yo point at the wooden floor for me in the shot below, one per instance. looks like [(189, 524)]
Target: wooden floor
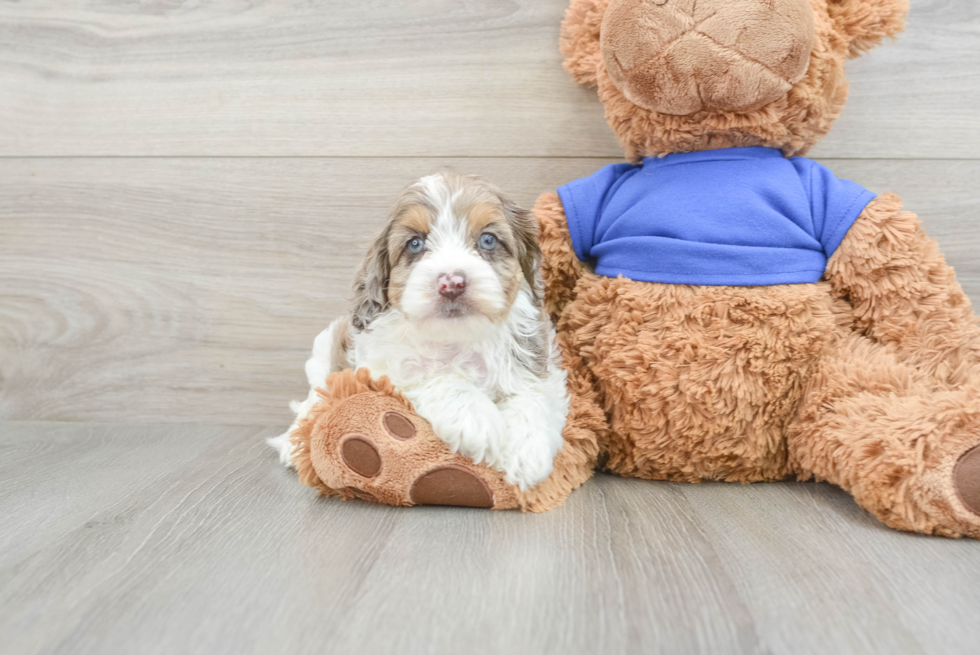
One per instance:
[(185, 190), (165, 538)]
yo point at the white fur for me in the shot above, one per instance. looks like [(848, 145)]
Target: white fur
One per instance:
[(479, 394), (469, 377), (318, 367)]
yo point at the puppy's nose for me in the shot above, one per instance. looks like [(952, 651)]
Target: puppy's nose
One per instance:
[(452, 285)]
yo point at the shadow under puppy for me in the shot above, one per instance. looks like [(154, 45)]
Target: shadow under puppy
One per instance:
[(448, 305)]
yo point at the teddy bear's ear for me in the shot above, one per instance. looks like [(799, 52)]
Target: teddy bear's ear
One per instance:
[(580, 39), (867, 22)]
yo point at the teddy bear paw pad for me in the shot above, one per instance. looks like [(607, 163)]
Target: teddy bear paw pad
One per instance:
[(451, 485), (966, 479), (361, 456), (398, 426), (372, 446)]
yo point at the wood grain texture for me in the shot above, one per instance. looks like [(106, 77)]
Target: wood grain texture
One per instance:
[(880, 594), (185, 189), (191, 289), (405, 78), (191, 539)]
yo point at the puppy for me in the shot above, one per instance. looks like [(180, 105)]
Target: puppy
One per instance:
[(448, 305)]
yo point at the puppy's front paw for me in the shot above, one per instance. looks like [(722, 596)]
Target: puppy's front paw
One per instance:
[(475, 431), (530, 462)]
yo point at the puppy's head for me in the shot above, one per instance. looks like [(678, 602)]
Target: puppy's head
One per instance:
[(452, 259)]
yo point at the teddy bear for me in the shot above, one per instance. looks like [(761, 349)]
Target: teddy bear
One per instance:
[(727, 309)]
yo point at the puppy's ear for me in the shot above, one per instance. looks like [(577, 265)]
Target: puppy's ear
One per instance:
[(371, 283), (867, 22), (580, 39), (525, 229)]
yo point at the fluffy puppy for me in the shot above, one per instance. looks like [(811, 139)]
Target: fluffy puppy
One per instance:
[(448, 305)]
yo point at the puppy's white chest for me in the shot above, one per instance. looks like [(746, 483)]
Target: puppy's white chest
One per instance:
[(414, 363), (451, 359)]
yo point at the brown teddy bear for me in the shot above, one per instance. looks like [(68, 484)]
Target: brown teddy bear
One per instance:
[(727, 309)]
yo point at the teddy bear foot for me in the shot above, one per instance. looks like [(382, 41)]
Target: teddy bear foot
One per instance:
[(449, 484), (966, 479), (374, 449), (364, 440), (944, 499)]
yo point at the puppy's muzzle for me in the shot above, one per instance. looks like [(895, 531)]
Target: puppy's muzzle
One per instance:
[(451, 285)]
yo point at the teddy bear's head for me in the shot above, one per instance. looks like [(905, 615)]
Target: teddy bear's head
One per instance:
[(685, 75)]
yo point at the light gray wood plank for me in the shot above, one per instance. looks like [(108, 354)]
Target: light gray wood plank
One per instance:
[(147, 281), (198, 542), (191, 289), (433, 78), (901, 102), (789, 546), (83, 469)]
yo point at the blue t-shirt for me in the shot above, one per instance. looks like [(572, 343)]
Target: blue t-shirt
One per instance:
[(736, 216)]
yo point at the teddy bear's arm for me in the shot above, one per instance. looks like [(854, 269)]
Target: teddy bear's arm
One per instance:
[(560, 266), (903, 293)]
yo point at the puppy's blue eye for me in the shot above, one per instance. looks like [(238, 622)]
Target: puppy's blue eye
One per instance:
[(488, 242), (416, 245)]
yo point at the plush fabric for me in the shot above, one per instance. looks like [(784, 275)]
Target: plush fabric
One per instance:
[(364, 440), (868, 378), (793, 123), (736, 216), (686, 56)]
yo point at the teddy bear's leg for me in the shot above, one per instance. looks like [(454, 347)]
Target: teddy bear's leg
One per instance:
[(365, 440), (905, 447), (904, 295), (560, 267)]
